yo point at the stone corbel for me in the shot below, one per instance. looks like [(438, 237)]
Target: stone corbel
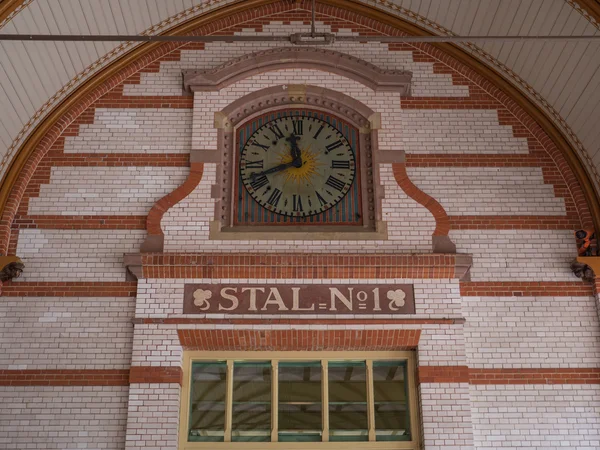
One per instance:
[(133, 263)]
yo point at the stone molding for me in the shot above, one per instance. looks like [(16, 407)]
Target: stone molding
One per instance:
[(370, 75)]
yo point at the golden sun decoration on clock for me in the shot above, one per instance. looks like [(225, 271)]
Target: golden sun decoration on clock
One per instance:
[(300, 167)]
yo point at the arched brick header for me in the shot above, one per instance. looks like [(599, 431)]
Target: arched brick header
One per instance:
[(298, 58), (367, 20)]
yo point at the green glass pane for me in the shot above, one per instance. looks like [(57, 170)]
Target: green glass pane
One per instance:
[(392, 419), (300, 405), (348, 416), (207, 402), (251, 407)]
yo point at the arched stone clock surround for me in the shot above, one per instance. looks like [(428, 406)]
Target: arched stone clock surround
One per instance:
[(275, 98)]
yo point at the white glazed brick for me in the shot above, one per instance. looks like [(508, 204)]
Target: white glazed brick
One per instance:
[(65, 333), (446, 416), (168, 80), (489, 190), (155, 345), (105, 190), (536, 417), (63, 417), (186, 225), (531, 332), (148, 130), (458, 131), (153, 416), (164, 298), (442, 345), (76, 255), (518, 255)]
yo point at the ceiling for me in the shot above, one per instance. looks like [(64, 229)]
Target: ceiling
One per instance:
[(561, 77)]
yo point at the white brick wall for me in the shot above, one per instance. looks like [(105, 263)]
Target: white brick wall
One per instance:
[(489, 190), (410, 225), (105, 190), (446, 415), (518, 255), (168, 80), (148, 130), (531, 332), (65, 333), (442, 345), (76, 255), (61, 418), (536, 417), (156, 345), (458, 131), (153, 416)]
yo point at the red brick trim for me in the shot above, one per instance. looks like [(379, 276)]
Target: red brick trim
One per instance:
[(442, 223), (442, 374), (464, 374), (308, 266), (513, 223), (155, 374), (81, 222), (298, 340), (535, 376), (83, 377), (57, 158), (525, 288), (468, 160), (69, 289), (323, 321), (160, 207)]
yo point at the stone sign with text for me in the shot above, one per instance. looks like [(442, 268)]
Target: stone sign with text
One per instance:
[(298, 299)]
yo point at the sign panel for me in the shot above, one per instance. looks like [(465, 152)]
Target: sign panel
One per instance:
[(298, 299)]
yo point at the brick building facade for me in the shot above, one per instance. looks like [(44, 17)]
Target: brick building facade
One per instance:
[(117, 210)]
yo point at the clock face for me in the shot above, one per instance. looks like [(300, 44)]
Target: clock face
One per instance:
[(297, 166)]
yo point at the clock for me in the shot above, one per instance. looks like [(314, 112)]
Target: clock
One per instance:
[(297, 165)]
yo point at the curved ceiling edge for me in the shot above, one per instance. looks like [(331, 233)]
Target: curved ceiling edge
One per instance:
[(461, 55)]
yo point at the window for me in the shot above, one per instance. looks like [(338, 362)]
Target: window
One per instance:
[(269, 399)]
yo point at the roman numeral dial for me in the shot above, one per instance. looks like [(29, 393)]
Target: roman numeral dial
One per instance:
[(299, 165)]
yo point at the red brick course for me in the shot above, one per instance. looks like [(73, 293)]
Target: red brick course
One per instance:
[(62, 377), (298, 340), (513, 223), (464, 374), (308, 266), (69, 289), (525, 288)]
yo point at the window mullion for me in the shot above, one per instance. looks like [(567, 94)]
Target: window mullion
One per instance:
[(275, 401), (229, 402), (371, 400), (325, 400)]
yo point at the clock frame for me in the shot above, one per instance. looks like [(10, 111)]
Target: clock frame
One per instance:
[(350, 114)]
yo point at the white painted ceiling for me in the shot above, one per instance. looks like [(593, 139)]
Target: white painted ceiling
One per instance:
[(562, 77)]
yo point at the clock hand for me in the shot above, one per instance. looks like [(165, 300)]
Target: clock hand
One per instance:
[(272, 170), (296, 154)]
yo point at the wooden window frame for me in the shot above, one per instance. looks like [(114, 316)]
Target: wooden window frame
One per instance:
[(275, 357)]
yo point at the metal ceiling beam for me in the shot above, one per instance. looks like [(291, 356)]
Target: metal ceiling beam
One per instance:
[(306, 38)]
